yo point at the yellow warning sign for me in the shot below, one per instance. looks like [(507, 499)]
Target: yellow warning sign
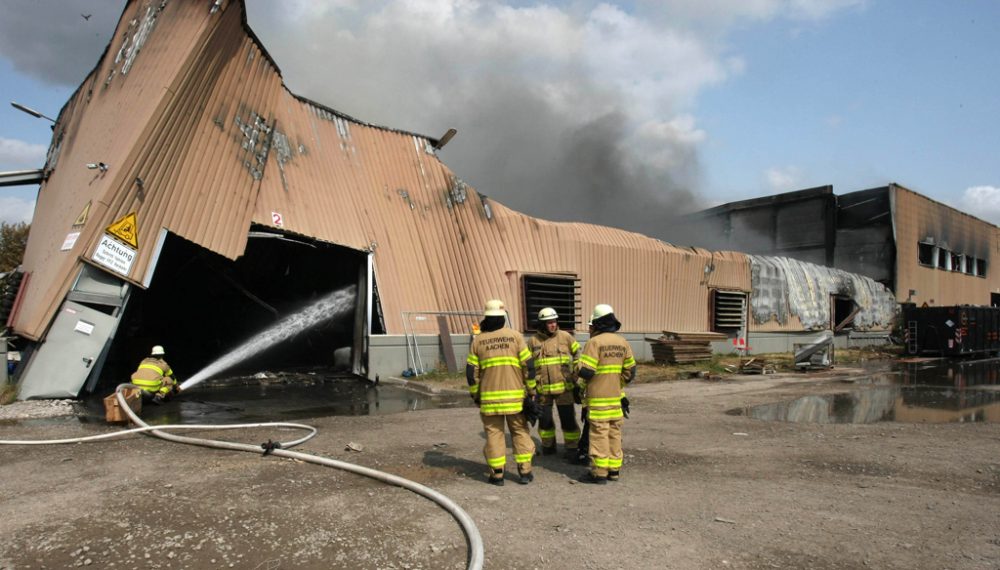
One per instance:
[(82, 218), (126, 229)]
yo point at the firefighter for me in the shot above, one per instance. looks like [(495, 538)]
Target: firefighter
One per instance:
[(606, 365), (555, 351), (155, 377), (501, 375)]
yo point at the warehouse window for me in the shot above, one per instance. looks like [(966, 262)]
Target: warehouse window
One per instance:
[(943, 259), (981, 267), (957, 262), (969, 268), (729, 309), (926, 254), (562, 293)]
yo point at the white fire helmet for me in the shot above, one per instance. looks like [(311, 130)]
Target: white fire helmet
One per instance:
[(601, 311), (158, 351), (548, 314), (494, 308)]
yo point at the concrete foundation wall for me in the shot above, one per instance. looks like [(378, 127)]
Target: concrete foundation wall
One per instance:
[(388, 355)]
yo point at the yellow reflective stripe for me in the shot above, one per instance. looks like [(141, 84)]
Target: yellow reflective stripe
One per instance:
[(502, 395), (547, 433), (145, 383), (152, 367), (550, 361), (525, 354), (552, 388), (605, 414), (499, 361), (574, 347), (588, 360), (614, 463), (496, 462), (523, 458), (531, 383), (473, 360), (616, 401), (609, 369), (601, 461), (510, 407), (629, 362), (571, 436), (474, 389)]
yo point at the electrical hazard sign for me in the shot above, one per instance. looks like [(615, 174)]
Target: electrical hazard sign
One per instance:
[(82, 218), (126, 229)]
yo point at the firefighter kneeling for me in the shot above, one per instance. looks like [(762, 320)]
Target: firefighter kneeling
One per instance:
[(501, 377), (606, 365), (155, 377)]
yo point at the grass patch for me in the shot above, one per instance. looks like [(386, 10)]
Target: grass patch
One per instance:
[(649, 372)]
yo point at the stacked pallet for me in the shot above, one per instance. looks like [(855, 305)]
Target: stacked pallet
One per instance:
[(683, 347)]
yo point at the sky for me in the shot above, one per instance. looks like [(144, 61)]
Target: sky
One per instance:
[(624, 113)]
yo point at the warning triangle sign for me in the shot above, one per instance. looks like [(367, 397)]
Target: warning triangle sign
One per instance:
[(82, 218), (126, 229)]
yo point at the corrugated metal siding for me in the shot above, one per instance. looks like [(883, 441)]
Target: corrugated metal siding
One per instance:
[(917, 217), (193, 95), (105, 121)]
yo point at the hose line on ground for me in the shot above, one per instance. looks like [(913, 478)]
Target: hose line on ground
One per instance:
[(280, 449)]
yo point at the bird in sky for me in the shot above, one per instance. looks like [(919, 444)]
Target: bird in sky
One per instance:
[(86, 16)]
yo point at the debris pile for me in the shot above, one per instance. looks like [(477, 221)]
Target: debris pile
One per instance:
[(683, 347), (752, 366)]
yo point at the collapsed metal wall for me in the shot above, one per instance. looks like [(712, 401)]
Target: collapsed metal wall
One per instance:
[(788, 294)]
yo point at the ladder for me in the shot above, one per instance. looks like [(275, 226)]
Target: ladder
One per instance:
[(911, 337)]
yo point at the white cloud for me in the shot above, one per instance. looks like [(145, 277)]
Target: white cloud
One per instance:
[(14, 210), (982, 202), (784, 179), (17, 154)]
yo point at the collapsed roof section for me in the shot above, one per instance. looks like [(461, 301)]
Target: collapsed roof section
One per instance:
[(189, 128)]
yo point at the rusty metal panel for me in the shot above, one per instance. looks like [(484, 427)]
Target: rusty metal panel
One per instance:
[(118, 107), (918, 218), (213, 142)]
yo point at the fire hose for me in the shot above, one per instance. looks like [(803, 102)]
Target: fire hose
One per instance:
[(281, 449)]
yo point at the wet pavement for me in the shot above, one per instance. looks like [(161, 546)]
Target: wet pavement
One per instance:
[(287, 398), (919, 391)]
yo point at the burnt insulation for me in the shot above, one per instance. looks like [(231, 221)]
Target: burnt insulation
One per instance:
[(783, 287)]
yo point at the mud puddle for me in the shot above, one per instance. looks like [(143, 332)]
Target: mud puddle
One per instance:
[(925, 391)]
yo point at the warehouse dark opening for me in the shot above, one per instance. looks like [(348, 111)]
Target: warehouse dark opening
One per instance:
[(200, 306)]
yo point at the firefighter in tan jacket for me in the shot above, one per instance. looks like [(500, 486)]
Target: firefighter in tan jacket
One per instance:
[(555, 352), (607, 363), (501, 375), (155, 377)]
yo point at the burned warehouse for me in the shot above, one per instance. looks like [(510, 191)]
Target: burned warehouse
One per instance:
[(191, 200)]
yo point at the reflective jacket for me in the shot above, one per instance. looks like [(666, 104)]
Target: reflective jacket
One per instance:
[(553, 361), (154, 375), (500, 360), (609, 355)]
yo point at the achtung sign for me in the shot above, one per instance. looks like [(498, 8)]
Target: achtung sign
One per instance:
[(114, 255), (126, 229), (118, 246)]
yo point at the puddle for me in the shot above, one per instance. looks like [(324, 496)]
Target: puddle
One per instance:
[(932, 391), (294, 397)]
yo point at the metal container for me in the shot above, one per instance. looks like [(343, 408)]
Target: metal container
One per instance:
[(962, 330)]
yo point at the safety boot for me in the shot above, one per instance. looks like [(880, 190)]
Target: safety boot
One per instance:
[(614, 475), (526, 478), (589, 477), (496, 478), (548, 450)]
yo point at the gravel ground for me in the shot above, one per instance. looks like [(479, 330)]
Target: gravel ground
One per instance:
[(701, 489)]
